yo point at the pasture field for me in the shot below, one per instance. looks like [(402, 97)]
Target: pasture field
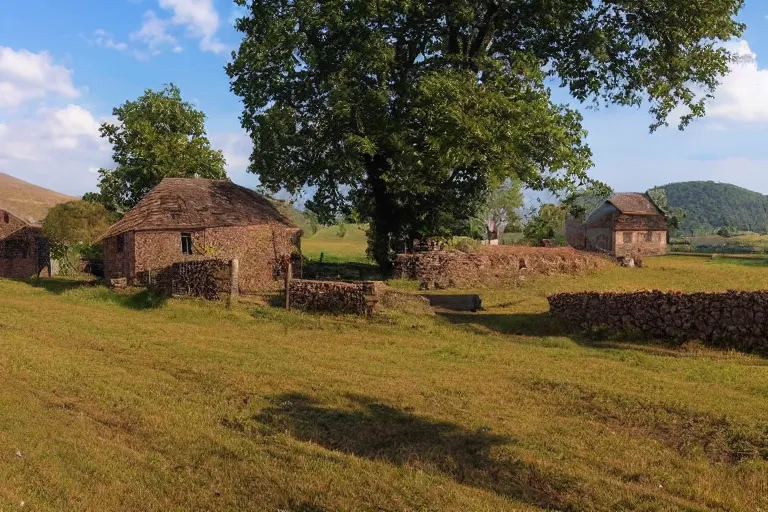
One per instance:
[(335, 249), (123, 402)]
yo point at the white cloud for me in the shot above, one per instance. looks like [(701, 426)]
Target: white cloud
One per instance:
[(25, 76), (237, 147), (743, 94), (57, 148), (106, 40), (200, 19), (154, 33)]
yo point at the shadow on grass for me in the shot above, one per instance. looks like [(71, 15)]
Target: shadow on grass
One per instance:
[(136, 299), (59, 285), (377, 431), (460, 302), (521, 324), (542, 325), (341, 271)]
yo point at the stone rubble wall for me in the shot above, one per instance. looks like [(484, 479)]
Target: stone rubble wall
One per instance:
[(493, 265), (732, 319)]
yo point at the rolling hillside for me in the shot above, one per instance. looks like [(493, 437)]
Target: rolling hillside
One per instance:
[(29, 202), (712, 205)]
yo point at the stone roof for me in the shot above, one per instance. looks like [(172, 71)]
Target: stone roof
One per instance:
[(634, 203), (196, 203)]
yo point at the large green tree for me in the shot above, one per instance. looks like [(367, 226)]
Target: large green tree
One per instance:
[(411, 110), (156, 136)]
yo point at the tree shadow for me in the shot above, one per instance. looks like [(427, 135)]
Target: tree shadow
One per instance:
[(58, 286), (340, 271), (454, 302), (136, 299), (377, 431), (521, 324), (543, 325)]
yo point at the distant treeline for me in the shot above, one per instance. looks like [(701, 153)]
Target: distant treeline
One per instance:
[(711, 206)]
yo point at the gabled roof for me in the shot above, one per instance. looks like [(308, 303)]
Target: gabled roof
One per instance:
[(195, 203), (634, 203)]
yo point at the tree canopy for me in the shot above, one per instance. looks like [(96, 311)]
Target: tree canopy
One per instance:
[(548, 222), (156, 136), (410, 111), (73, 229)]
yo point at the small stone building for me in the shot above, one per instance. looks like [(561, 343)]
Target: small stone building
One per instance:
[(627, 224), (184, 219), (24, 251)]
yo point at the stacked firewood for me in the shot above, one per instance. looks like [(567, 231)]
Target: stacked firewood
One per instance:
[(333, 296), (493, 265), (208, 279), (735, 319)]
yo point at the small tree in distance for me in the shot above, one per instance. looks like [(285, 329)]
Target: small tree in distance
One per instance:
[(157, 136), (73, 229)]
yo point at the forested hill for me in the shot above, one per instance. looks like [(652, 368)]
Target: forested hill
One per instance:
[(712, 205)]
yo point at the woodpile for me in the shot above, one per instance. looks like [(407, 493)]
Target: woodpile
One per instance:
[(333, 296), (732, 319), (209, 279), (493, 265)]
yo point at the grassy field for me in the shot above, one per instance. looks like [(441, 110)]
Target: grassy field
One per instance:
[(350, 247), (121, 402)]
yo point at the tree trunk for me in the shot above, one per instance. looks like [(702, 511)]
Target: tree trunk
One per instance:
[(383, 221)]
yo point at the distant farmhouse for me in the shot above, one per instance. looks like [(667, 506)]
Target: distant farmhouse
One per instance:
[(185, 219), (624, 225), (24, 251)]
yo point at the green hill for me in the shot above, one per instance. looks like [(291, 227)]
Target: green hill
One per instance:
[(712, 205)]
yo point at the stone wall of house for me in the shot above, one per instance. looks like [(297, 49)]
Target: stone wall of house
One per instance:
[(258, 249), (575, 233), (333, 296), (734, 319), (24, 253), (493, 265), (599, 240), (13, 224), (640, 243), (119, 265)]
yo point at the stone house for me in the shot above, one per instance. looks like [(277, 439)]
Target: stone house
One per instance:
[(627, 224), (184, 219), (24, 250)]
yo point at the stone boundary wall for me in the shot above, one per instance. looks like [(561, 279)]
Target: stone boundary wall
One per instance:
[(734, 319), (333, 296), (492, 265)]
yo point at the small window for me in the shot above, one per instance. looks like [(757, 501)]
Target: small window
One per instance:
[(649, 236), (6, 218), (627, 237), (120, 243), (25, 251), (186, 243)]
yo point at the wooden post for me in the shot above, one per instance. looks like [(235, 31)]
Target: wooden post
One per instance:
[(234, 281), (288, 270)]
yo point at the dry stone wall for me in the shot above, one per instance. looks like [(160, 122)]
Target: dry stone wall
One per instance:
[(333, 296), (732, 319), (493, 265)]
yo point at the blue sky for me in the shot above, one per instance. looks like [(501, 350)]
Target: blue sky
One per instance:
[(63, 69)]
